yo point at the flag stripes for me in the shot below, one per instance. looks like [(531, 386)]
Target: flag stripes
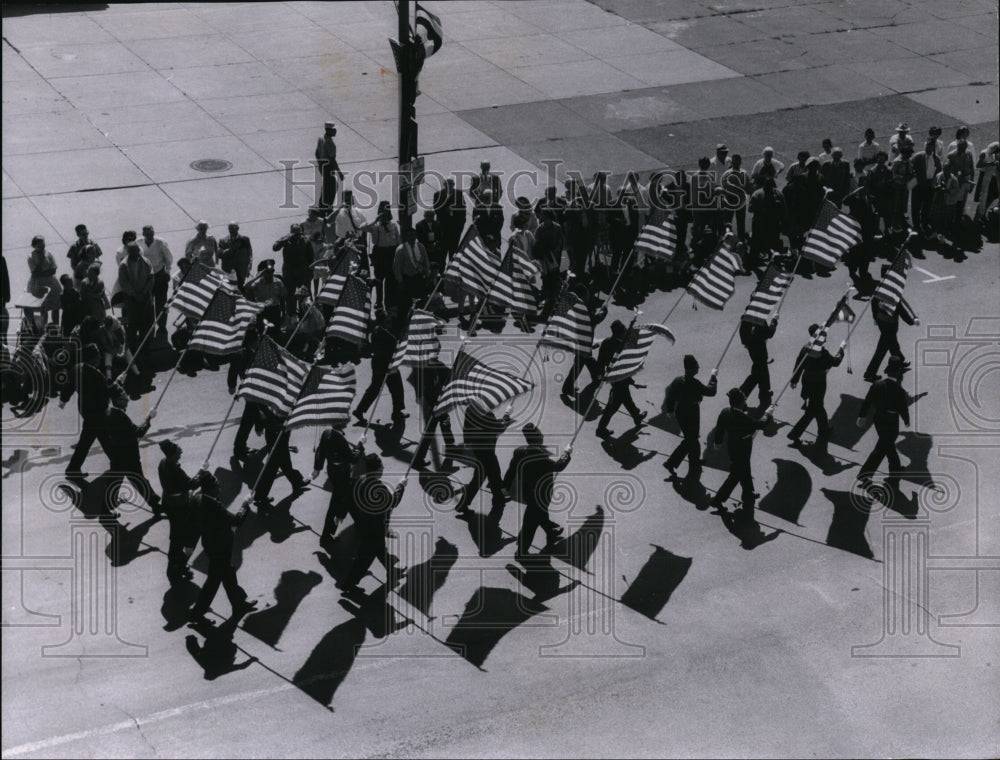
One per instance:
[(349, 321), (633, 354), (570, 326), (273, 378), (221, 328), (833, 235), (325, 398), (767, 295), (474, 267), (420, 344), (329, 295), (658, 239), (195, 293), (515, 285), (715, 283), (472, 381), (890, 290)]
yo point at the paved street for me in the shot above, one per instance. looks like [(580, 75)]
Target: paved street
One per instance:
[(840, 628)]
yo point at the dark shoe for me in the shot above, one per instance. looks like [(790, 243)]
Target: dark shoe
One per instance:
[(420, 464), (603, 432), (671, 470), (400, 414), (244, 607), (197, 616), (360, 416), (638, 418), (870, 378)]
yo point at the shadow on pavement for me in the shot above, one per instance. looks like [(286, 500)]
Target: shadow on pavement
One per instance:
[(790, 492), (424, 580), (659, 577), (489, 615), (850, 519), (216, 653), (269, 623)]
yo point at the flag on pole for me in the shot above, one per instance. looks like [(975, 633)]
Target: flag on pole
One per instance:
[(658, 239), (767, 295), (633, 354), (833, 235), (841, 313), (715, 283), (474, 266), (420, 344), (339, 272), (349, 321), (473, 381), (428, 28), (325, 398), (195, 293), (890, 290), (515, 283), (273, 378), (221, 329), (570, 326)]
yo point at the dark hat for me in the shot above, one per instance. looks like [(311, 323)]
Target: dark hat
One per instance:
[(896, 367), (934, 131), (296, 227), (736, 394), (531, 432), (119, 398), (265, 264), (690, 363), (813, 328), (617, 325), (522, 203), (169, 448), (373, 463)]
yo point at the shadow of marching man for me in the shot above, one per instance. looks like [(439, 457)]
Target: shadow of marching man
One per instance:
[(217, 654)]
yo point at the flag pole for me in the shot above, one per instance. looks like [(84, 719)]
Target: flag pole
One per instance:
[(868, 303), (674, 307), (378, 397), (152, 327), (482, 306), (618, 279), (788, 287), (600, 384)]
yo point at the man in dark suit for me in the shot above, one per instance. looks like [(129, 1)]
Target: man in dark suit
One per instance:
[(481, 431), (449, 210), (684, 396), (926, 167), (374, 503), (339, 456), (533, 469), (93, 397), (887, 320), (329, 169), (135, 276), (812, 366), (620, 393), (890, 403), (755, 338), (217, 526), (738, 427)]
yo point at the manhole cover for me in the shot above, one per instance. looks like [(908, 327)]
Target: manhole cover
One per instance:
[(211, 165)]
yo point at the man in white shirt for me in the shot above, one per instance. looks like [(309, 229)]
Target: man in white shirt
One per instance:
[(157, 253), (767, 159), (868, 149)]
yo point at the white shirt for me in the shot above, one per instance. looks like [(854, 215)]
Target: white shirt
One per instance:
[(158, 253)]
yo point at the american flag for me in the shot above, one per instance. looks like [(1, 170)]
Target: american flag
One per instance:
[(841, 313), (515, 283), (658, 239), (767, 295), (473, 381), (195, 293), (570, 326), (474, 267), (420, 344), (715, 283), (833, 235), (340, 269), (890, 290), (273, 378), (325, 398), (350, 317), (221, 329), (633, 354)]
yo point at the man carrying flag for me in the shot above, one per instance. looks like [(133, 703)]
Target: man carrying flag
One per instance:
[(620, 357), (757, 327), (684, 396), (473, 269), (222, 327), (812, 366), (571, 327), (888, 307), (715, 283)]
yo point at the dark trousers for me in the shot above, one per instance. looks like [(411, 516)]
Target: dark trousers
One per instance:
[(760, 376), (251, 414), (220, 573), (485, 465), (182, 541), (139, 318), (765, 237), (161, 281), (579, 362), (814, 410), (535, 516), (340, 499), (444, 422), (621, 395), (739, 472), (740, 218), (690, 447), (900, 200), (132, 471), (371, 546), (91, 430), (579, 254), (885, 448), (280, 459), (393, 382), (888, 343), (551, 282), (920, 203), (329, 190)]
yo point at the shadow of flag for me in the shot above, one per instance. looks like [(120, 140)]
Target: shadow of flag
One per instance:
[(656, 582)]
